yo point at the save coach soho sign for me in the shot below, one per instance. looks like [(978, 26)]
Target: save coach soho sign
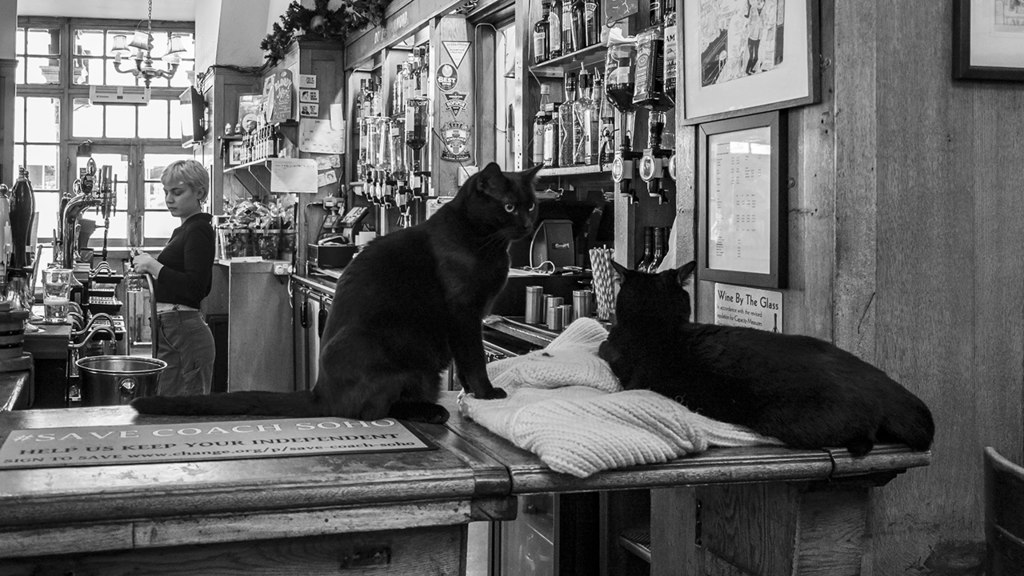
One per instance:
[(232, 440)]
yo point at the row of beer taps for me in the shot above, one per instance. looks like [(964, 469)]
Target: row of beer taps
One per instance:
[(91, 190)]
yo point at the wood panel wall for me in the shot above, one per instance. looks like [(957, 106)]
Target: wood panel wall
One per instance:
[(906, 204)]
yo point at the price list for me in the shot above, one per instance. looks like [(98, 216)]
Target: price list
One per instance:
[(739, 199)]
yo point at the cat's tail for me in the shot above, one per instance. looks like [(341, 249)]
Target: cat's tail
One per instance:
[(911, 425), (299, 404)]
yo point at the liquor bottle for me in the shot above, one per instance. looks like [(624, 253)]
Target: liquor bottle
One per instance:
[(671, 50), (621, 79), (645, 259), (580, 120), (541, 45), (650, 82), (538, 138), (592, 120), (579, 40), (591, 26), (23, 209), (566, 134), (555, 29), (568, 43), (606, 152), (659, 251), (551, 140)]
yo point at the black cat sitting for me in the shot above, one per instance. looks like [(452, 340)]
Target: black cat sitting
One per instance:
[(406, 306), (801, 390)]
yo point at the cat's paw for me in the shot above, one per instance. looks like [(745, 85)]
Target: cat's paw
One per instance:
[(494, 394)]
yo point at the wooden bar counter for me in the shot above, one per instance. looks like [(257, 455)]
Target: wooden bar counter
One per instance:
[(751, 511)]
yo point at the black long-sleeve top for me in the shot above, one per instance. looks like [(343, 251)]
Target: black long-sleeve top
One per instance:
[(188, 263)]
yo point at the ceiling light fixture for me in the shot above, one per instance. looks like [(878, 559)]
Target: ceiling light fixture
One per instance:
[(140, 50)]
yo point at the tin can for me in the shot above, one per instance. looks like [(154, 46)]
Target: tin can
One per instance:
[(553, 318), (534, 305), (582, 303), (565, 315)]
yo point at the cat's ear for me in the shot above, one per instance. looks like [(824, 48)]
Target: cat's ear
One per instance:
[(685, 271), (485, 180), (529, 175), (620, 271)]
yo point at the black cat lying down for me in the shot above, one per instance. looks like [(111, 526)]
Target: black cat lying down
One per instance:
[(406, 306), (801, 390)]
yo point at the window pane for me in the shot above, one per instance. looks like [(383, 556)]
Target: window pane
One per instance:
[(89, 42), (153, 119), (115, 78), (42, 166), (43, 71), (86, 119), (159, 224), (43, 120), (19, 119), (47, 204), (180, 78), (19, 161), (88, 71), (43, 41), (120, 121), (176, 117), (155, 196), (19, 38)]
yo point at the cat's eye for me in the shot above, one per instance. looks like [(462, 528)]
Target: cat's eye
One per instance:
[(510, 208), (533, 206)]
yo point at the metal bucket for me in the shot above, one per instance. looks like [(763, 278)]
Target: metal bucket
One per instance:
[(113, 380)]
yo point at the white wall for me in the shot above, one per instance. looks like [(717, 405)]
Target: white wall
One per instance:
[(177, 10), (8, 26)]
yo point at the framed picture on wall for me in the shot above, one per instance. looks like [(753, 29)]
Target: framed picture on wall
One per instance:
[(748, 56), (988, 40), (741, 200)]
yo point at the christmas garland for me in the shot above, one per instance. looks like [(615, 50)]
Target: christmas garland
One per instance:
[(328, 20)]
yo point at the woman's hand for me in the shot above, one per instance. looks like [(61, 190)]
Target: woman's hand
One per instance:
[(145, 263)]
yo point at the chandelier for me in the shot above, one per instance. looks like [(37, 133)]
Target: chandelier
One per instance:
[(140, 51)]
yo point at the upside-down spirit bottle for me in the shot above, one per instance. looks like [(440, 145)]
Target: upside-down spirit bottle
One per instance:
[(671, 50)]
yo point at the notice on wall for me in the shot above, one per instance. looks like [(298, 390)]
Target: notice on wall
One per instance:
[(749, 307), (293, 175), (231, 440), (321, 137)]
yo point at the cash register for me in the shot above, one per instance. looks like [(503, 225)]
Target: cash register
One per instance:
[(335, 245)]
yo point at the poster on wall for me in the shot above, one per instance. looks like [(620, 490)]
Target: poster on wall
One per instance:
[(277, 93)]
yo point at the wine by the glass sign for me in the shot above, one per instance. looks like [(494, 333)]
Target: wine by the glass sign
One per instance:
[(750, 307)]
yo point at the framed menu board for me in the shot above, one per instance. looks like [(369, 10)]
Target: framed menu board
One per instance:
[(742, 201)]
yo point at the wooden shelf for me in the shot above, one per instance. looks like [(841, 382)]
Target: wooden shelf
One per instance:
[(556, 67)]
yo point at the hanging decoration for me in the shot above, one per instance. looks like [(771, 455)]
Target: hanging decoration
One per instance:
[(327, 20)]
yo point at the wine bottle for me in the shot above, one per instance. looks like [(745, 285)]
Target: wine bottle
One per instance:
[(645, 260)]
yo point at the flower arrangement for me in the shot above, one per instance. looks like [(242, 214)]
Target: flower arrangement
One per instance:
[(253, 228), (328, 19)]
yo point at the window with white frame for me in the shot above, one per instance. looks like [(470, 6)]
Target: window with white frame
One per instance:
[(59, 59)]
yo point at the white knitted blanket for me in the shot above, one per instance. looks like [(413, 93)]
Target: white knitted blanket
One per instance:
[(565, 405)]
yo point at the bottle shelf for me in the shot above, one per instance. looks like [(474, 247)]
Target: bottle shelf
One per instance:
[(556, 67), (575, 170)]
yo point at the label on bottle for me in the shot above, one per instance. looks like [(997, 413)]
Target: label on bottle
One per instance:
[(538, 142), (671, 54), (539, 42), (550, 144), (591, 136)]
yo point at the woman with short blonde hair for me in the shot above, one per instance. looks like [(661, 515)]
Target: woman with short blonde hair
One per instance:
[(182, 273)]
